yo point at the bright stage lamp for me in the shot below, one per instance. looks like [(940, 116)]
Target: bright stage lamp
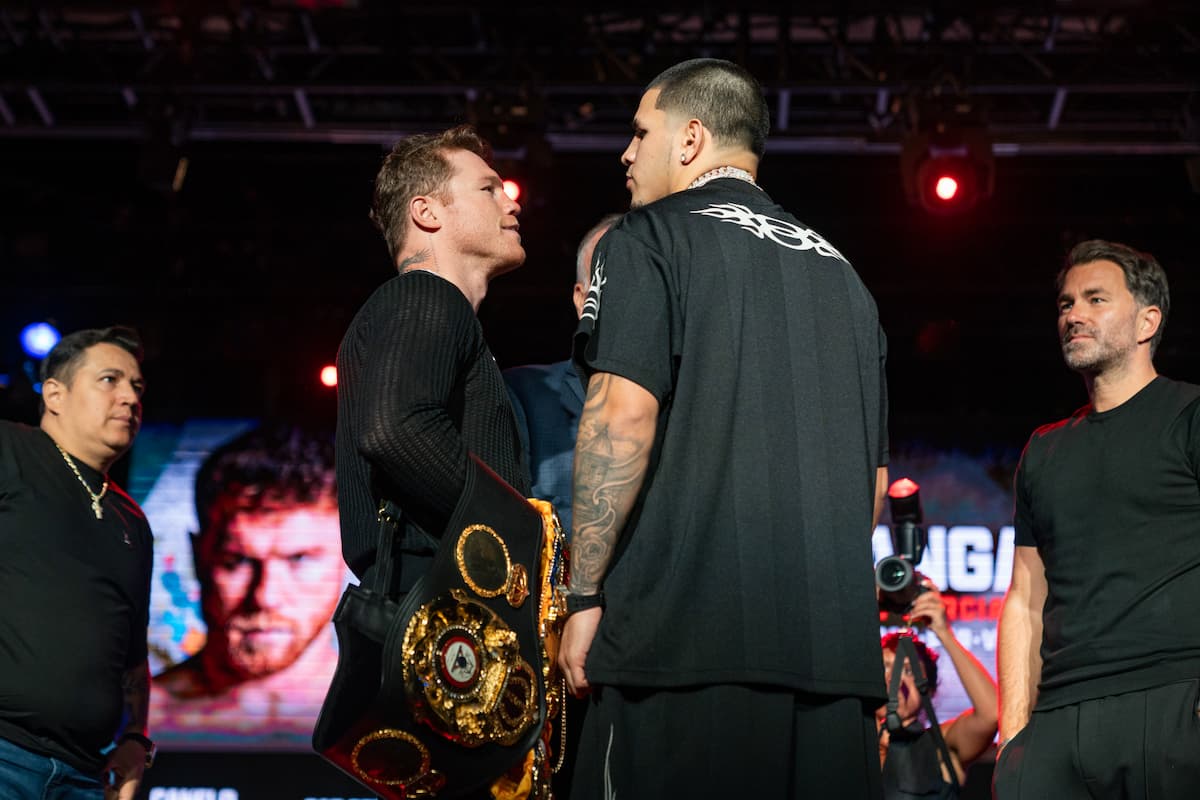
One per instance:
[(946, 187), (948, 170), (39, 338)]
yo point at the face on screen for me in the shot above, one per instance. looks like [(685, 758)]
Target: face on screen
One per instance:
[(273, 582)]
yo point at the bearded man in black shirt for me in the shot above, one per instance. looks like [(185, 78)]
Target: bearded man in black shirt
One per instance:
[(730, 457), (1099, 650), (74, 582), (419, 392), (417, 386)]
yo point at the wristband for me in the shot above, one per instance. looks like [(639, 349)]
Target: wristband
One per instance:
[(582, 602), (144, 741)]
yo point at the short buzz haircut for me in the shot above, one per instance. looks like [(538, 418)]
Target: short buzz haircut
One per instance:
[(583, 270), (928, 657), (277, 464), (722, 95), (417, 165), (1144, 277), (64, 360)]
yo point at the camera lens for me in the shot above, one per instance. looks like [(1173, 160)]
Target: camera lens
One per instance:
[(893, 574)]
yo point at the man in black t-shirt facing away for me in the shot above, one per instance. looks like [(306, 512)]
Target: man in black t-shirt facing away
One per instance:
[(1099, 650), (74, 582), (730, 456), (417, 386)]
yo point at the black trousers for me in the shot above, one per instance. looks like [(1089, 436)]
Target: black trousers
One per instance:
[(1135, 746), (726, 741)]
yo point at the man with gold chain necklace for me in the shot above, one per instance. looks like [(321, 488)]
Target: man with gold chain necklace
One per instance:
[(74, 582), (730, 456)]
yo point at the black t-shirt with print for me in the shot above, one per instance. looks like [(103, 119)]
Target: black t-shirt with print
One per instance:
[(74, 601), (747, 557)]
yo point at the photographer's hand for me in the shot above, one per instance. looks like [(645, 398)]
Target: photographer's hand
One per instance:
[(929, 611)]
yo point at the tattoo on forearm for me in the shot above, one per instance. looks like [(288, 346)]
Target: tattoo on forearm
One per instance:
[(610, 467), (418, 257), (135, 685)]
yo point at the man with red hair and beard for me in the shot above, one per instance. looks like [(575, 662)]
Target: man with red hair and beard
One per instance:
[(268, 559)]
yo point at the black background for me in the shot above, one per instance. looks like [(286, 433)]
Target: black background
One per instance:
[(243, 283)]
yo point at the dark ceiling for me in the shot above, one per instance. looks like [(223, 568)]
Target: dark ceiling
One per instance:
[(841, 77), (243, 280)]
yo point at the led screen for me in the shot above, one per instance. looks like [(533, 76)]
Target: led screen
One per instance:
[(241, 648)]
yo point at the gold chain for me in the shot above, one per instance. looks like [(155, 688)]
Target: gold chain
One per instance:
[(96, 498), (562, 726)]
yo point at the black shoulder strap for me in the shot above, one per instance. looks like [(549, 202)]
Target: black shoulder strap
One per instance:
[(390, 519), (905, 651)]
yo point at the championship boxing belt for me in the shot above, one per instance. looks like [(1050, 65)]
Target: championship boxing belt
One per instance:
[(452, 690)]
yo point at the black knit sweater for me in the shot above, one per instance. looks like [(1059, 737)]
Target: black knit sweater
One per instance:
[(417, 389)]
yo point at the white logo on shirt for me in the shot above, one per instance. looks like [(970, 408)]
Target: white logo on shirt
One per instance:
[(778, 231), (591, 306)]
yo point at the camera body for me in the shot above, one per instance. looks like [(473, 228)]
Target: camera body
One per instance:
[(896, 576), (899, 584)]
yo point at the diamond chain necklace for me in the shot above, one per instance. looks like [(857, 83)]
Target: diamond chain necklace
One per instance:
[(724, 172), (96, 498)]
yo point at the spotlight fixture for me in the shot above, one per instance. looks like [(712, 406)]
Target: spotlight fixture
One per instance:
[(38, 339), (948, 166)]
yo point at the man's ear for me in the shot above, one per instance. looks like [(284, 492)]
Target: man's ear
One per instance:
[(1149, 320), (54, 394), (424, 212), (579, 296), (691, 140)]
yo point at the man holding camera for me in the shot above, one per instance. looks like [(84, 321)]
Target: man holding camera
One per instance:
[(1099, 654)]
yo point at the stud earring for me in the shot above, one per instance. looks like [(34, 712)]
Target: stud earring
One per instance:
[(682, 158)]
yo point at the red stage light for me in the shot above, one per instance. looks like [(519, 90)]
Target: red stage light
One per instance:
[(329, 376), (512, 189), (946, 188), (904, 487), (948, 168)]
